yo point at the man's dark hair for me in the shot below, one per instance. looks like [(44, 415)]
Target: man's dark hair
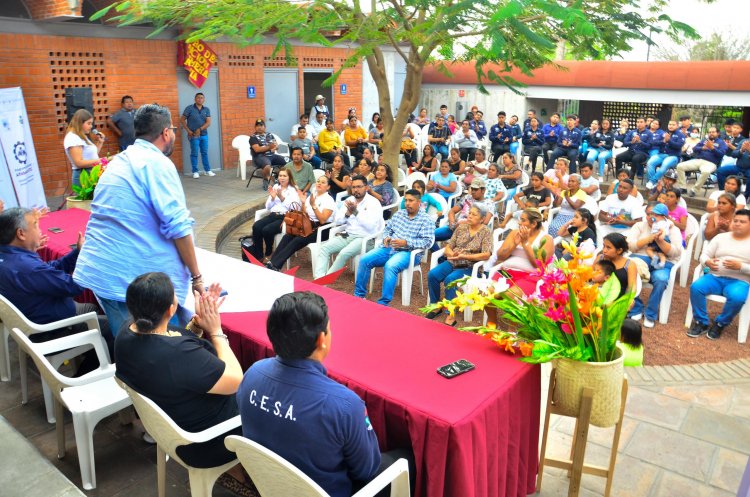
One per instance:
[(413, 192), (329, 121), (684, 117), (443, 106), (148, 297), (743, 212), (199, 93), (586, 164), (150, 120), (291, 150), (628, 181), (295, 322), (556, 114), (11, 220), (320, 113), (531, 110), (501, 113), (359, 177), (305, 116), (738, 123), (572, 116), (729, 122), (122, 100)]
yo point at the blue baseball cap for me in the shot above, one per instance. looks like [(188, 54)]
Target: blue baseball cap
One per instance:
[(660, 210)]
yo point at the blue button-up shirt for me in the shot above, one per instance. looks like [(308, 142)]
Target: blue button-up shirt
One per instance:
[(498, 135), (657, 139), (137, 212), (674, 145), (42, 291), (533, 137), (196, 117), (291, 407), (479, 128), (418, 231), (701, 151), (743, 158), (547, 128)]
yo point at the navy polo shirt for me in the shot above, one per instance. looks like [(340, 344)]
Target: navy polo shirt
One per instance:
[(42, 291), (196, 117), (574, 135), (291, 407)]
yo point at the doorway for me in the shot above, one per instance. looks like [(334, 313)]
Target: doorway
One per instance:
[(186, 94), (313, 86), (281, 99)]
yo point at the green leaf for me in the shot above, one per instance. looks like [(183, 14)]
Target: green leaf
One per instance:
[(609, 290), (101, 13)]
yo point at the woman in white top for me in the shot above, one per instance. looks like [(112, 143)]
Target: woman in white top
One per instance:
[(81, 146), (281, 196), (320, 106), (319, 205), (733, 185)]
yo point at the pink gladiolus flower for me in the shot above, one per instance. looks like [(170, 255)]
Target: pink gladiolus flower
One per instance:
[(566, 328)]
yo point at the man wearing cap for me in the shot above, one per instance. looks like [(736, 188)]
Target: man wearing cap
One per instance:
[(320, 106), (459, 213), (196, 119), (263, 147), (666, 183)]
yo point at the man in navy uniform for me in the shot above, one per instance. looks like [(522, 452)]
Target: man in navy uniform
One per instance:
[(638, 141), (568, 141)]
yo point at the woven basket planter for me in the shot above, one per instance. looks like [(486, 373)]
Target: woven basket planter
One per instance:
[(604, 378), (78, 204)]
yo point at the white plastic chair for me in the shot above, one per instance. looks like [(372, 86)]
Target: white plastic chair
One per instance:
[(693, 231), (407, 275), (431, 211), (89, 398), (260, 214), (242, 144), (13, 318), (744, 316), (476, 271), (347, 149), (282, 148), (341, 196), (318, 173), (402, 184), (274, 476), (412, 177), (169, 436), (701, 236)]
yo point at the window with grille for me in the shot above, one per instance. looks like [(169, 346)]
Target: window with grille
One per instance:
[(241, 60), (317, 62), (617, 111), (279, 62), (79, 70)]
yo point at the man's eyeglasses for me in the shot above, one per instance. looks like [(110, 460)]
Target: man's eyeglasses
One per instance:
[(173, 128)]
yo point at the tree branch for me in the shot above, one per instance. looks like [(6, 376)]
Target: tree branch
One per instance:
[(400, 10), (398, 49)]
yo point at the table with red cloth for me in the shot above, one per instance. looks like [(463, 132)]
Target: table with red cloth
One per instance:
[(474, 435), (71, 222)]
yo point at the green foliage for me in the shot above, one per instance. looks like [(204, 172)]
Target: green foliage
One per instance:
[(89, 181)]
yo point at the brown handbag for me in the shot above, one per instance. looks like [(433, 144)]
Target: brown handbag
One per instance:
[(297, 221)]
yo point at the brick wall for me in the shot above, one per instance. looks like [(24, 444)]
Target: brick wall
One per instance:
[(44, 9), (43, 66)]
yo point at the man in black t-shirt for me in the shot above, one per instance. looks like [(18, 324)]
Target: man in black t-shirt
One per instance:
[(263, 147)]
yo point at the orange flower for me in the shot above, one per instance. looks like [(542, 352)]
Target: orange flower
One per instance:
[(526, 348)]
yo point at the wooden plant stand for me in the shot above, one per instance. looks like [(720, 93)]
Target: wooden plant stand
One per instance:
[(574, 465)]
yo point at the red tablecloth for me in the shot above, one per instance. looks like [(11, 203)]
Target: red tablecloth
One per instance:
[(474, 435), (71, 221)]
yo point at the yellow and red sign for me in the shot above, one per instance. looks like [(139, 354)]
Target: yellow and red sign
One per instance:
[(197, 58)]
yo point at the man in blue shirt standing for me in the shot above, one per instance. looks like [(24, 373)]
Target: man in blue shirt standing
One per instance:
[(289, 405), (407, 230), (139, 222), (196, 119), (568, 141)]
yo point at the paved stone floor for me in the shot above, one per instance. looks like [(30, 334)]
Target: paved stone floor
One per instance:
[(686, 431)]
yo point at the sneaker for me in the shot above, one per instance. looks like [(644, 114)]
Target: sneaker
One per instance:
[(636, 317), (210, 173), (433, 314), (647, 323), (691, 193), (714, 332), (655, 261), (660, 264), (148, 438), (196, 175), (265, 184), (697, 329), (650, 185)]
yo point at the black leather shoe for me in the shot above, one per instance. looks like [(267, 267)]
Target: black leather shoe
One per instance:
[(433, 314)]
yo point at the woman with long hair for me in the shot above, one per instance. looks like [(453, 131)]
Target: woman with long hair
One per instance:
[(720, 220), (615, 249), (82, 143), (584, 224), (281, 196)]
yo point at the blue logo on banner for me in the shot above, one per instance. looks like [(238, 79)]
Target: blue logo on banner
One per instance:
[(343, 88), (250, 92)]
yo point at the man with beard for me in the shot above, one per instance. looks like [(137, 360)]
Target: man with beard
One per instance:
[(140, 222)]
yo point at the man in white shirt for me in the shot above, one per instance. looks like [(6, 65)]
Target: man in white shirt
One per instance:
[(362, 216), (318, 124), (304, 122), (620, 210), (727, 258), (466, 141)]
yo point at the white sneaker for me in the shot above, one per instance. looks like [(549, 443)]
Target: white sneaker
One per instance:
[(637, 317), (148, 438), (210, 173), (647, 323), (196, 175), (650, 185)]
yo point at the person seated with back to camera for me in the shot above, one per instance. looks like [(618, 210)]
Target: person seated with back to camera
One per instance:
[(407, 230), (289, 405), (192, 374)]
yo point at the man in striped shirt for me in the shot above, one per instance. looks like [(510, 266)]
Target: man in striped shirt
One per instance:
[(407, 230)]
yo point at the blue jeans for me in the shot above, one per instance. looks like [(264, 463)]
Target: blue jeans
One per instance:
[(734, 290), (514, 147), (444, 273), (658, 165), (602, 155), (442, 234), (77, 177), (659, 280), (196, 144), (725, 171), (392, 262), (442, 150), (118, 315)]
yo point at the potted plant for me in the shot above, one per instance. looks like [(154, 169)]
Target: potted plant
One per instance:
[(89, 179), (567, 319)]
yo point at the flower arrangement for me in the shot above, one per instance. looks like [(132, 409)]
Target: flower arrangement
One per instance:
[(567, 316), (89, 179)]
